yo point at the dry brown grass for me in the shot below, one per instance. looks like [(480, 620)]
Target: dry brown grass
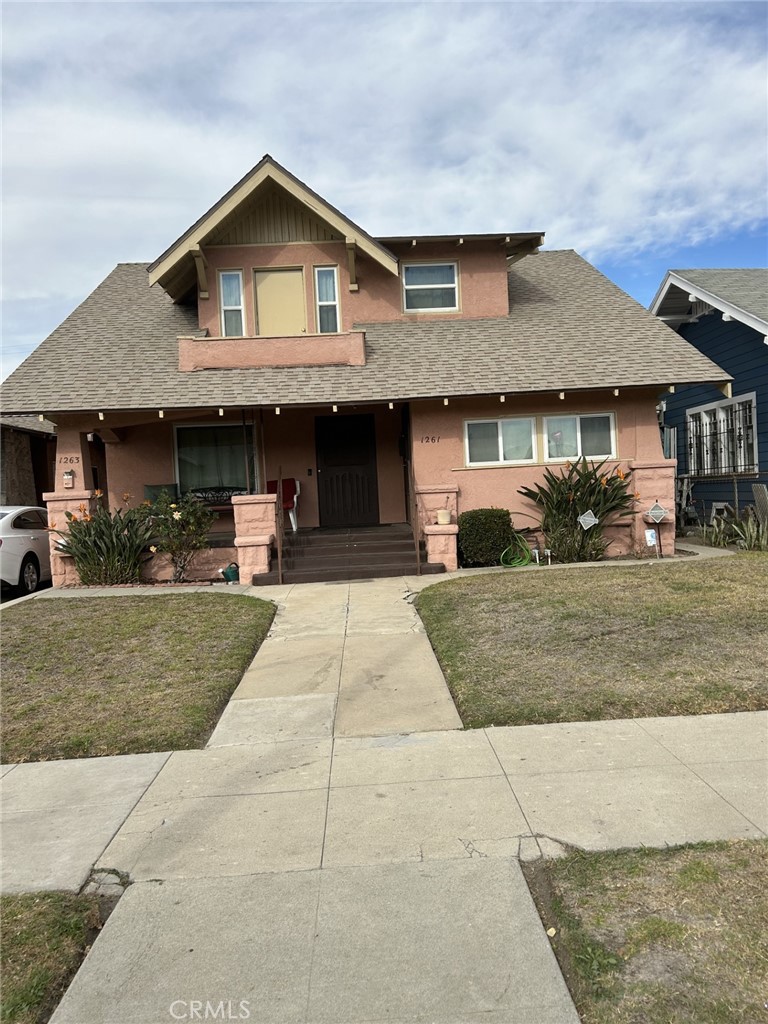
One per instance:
[(87, 677), (678, 936), (563, 645)]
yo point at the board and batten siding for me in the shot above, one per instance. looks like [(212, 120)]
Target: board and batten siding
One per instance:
[(741, 352), (271, 218)]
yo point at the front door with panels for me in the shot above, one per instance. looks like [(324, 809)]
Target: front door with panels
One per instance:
[(281, 308), (347, 480)]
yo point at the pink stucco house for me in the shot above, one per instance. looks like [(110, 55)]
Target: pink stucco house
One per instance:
[(390, 377)]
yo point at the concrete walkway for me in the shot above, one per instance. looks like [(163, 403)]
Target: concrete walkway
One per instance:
[(342, 851)]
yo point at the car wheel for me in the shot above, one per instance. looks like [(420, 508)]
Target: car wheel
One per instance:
[(29, 577)]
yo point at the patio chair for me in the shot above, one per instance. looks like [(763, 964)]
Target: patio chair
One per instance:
[(291, 492)]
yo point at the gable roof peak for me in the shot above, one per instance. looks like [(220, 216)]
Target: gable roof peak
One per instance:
[(174, 269)]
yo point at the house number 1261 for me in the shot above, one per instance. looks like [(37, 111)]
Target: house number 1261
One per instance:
[(430, 439)]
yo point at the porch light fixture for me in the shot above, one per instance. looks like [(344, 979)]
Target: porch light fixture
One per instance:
[(101, 415)]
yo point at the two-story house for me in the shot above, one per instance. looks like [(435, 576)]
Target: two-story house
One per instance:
[(390, 377), (720, 441)]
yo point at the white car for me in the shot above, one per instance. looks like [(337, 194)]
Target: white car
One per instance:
[(24, 547)]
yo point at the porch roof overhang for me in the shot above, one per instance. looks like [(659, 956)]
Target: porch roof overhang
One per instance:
[(179, 267), (515, 244)]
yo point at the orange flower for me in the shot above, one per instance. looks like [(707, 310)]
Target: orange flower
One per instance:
[(87, 518), (98, 493), (82, 508), (146, 504), (620, 475), (637, 495), (126, 497), (51, 525), (73, 518), (604, 481)]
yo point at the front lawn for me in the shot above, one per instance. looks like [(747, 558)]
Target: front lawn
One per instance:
[(568, 645), (677, 935), (91, 676), (45, 937)]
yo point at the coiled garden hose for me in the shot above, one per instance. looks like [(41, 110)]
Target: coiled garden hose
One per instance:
[(517, 554)]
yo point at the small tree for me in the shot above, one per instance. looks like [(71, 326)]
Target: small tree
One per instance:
[(179, 529), (579, 488)]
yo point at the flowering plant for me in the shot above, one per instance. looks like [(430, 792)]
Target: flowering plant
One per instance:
[(177, 528), (579, 488), (107, 548)]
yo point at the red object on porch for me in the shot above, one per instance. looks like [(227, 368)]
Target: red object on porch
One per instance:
[(291, 492)]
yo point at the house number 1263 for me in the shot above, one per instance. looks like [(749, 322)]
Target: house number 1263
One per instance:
[(69, 460), (430, 439)]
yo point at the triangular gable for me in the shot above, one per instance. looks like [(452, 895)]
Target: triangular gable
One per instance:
[(680, 298), (267, 182)]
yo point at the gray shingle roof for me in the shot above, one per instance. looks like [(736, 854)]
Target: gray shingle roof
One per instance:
[(29, 424), (745, 288), (569, 328)]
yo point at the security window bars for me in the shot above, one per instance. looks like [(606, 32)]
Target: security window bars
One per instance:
[(589, 436), (722, 438), (430, 287), (231, 300), (326, 291), (499, 442)]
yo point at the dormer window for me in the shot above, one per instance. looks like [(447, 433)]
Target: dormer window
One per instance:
[(327, 293), (430, 287), (231, 301)]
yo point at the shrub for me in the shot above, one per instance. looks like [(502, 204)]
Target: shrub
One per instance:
[(107, 548), (579, 488), (483, 534), (178, 528)]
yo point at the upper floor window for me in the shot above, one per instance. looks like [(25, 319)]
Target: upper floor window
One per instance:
[(231, 300), (327, 293), (430, 287), (722, 437), (587, 436), (500, 441)]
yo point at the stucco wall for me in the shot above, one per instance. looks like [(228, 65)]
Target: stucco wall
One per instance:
[(439, 458), (482, 280)]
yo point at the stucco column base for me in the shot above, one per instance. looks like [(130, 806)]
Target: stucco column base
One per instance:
[(58, 503), (255, 530), (654, 482), (253, 555), (441, 545)]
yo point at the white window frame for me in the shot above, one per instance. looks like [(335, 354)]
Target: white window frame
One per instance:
[(716, 413), (422, 287), (228, 309), (336, 304), (500, 461), (579, 416)]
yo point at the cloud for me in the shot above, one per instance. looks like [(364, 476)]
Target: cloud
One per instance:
[(616, 128)]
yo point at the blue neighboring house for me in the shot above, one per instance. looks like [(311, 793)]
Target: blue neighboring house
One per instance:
[(720, 441)]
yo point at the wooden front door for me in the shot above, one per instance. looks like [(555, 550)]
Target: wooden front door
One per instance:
[(347, 482), (280, 306)]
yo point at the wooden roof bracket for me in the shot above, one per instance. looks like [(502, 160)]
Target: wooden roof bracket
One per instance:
[(202, 277), (353, 285), (726, 388)]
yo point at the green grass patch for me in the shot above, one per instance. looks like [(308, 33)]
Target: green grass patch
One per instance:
[(45, 937), (92, 676), (635, 948), (568, 645)]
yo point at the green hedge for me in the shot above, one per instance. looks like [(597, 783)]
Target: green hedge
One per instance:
[(483, 534)]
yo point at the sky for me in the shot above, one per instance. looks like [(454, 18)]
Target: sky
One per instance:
[(635, 133)]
